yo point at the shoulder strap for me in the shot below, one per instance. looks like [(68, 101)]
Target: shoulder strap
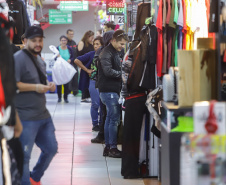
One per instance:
[(42, 77)]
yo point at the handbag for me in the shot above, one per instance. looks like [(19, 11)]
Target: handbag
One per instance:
[(62, 71), (170, 85)]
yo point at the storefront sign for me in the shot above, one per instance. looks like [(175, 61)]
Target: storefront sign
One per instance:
[(60, 17), (115, 7), (74, 6)]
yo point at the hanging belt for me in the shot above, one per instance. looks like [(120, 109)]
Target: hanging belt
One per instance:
[(135, 96)]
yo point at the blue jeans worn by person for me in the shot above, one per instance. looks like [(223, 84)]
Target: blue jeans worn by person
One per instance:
[(110, 99), (95, 102), (42, 133)]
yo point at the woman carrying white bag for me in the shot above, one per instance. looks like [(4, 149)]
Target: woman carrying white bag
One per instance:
[(63, 71)]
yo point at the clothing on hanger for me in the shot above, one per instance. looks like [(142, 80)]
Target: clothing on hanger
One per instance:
[(19, 14)]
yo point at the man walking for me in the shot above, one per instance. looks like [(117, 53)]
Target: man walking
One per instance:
[(30, 102), (109, 84), (73, 84)]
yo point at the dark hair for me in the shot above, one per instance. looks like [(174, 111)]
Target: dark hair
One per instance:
[(86, 37), (100, 39), (100, 30), (119, 35), (22, 37), (110, 24), (63, 36), (69, 30)]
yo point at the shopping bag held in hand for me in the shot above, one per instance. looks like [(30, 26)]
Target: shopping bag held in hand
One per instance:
[(62, 71)]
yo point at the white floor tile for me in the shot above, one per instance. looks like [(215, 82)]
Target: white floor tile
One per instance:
[(78, 161)]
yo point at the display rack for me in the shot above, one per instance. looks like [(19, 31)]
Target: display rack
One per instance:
[(170, 142)]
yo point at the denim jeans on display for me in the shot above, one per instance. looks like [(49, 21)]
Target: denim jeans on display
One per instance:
[(42, 133), (110, 99), (95, 102)]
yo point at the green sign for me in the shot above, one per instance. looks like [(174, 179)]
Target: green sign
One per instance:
[(74, 5), (60, 17)]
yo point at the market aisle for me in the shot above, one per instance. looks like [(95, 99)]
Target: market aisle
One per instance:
[(78, 162)]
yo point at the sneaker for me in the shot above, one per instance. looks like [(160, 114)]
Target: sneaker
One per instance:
[(97, 140), (66, 101), (59, 100), (86, 100), (34, 182), (96, 128), (106, 151), (115, 153)]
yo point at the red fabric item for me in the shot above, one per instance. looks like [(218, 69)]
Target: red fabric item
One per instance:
[(135, 96), (224, 58), (159, 57), (2, 95), (184, 30)]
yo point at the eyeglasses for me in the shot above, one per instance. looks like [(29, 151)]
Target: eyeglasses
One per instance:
[(63, 40)]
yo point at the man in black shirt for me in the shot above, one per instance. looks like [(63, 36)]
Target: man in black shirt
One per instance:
[(73, 84)]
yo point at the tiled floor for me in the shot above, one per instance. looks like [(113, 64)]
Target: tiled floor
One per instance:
[(79, 162)]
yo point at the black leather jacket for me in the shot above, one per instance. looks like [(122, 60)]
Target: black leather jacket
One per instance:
[(109, 70)]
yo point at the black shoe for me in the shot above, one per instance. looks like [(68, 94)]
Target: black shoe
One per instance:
[(59, 100), (132, 177), (66, 101), (106, 151), (97, 140), (96, 128), (115, 153)]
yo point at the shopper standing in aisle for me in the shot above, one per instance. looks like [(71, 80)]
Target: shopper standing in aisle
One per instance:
[(67, 54), (109, 84), (87, 63), (85, 46), (30, 102), (109, 25), (73, 84), (100, 136)]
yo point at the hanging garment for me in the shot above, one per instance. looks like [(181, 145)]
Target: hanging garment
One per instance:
[(159, 60), (164, 37), (7, 68), (18, 12), (143, 12), (213, 19), (201, 23), (184, 30), (134, 111), (168, 12), (148, 78), (175, 47), (172, 15), (180, 21)]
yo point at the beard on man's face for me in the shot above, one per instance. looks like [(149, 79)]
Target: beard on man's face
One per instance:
[(34, 51)]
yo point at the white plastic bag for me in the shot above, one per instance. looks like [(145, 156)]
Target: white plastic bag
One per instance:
[(62, 71)]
